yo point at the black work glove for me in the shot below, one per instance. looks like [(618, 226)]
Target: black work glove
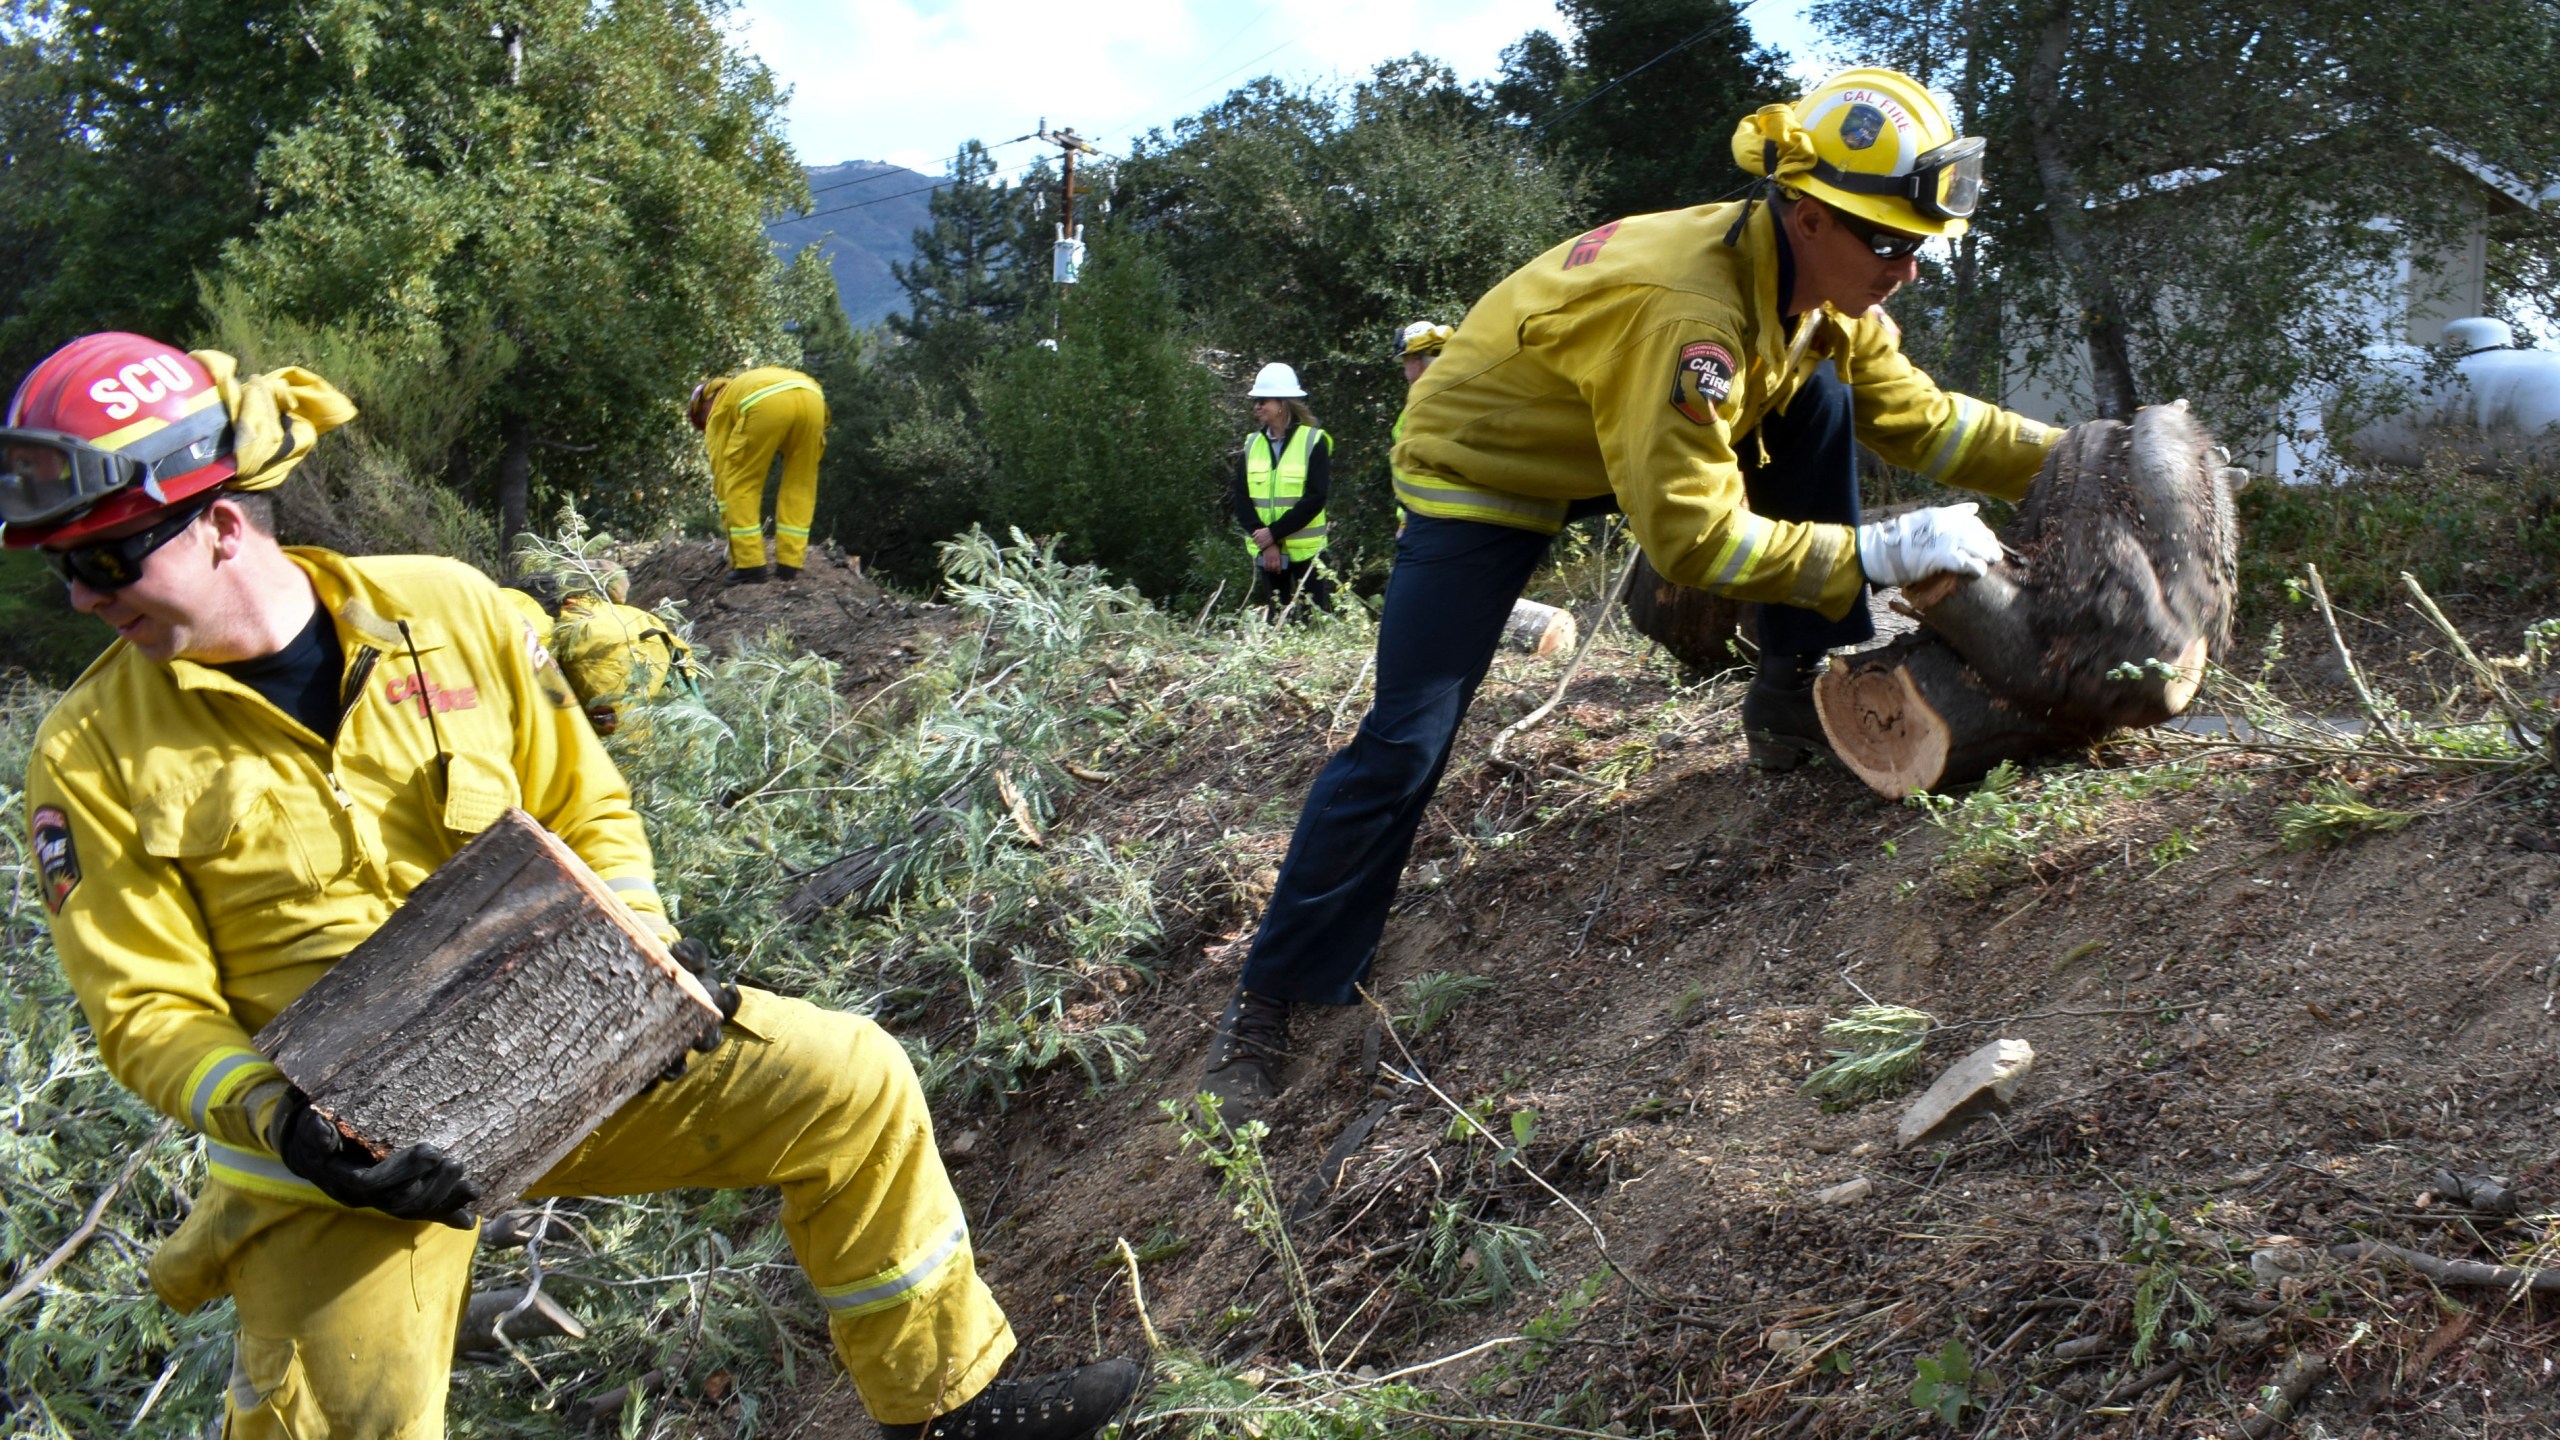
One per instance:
[(416, 1182), (696, 957)]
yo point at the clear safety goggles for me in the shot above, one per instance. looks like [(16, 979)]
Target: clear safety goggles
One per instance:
[(1944, 184), (48, 476)]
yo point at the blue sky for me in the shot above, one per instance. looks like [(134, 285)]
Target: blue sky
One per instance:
[(908, 80)]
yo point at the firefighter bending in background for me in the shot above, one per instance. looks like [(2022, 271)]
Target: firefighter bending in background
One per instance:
[(1711, 372), (746, 419), (277, 748)]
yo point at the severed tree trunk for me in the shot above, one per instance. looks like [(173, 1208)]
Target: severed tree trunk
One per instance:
[(502, 1013), (2121, 581), (1698, 627)]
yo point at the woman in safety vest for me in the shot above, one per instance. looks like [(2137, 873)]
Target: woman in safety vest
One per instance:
[(1283, 475)]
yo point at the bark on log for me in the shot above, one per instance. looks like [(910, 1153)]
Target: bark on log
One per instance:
[(1538, 629), (502, 1013), (2125, 553)]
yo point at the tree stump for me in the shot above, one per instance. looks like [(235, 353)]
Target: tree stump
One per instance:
[(503, 1012), (2123, 570), (1698, 627)]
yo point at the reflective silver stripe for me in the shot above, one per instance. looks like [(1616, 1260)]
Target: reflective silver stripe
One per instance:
[(200, 1104), (1956, 437), (1312, 532), (894, 1287), (739, 531), (1741, 550), (772, 390), (797, 531), (255, 1170), (1466, 502), (628, 883)]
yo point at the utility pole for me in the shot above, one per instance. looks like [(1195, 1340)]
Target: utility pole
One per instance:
[(1066, 255)]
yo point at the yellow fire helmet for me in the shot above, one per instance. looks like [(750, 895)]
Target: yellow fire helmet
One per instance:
[(1873, 142), (1422, 338)]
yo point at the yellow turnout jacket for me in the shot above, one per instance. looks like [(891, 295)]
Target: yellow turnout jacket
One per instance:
[(1636, 360), (206, 857)]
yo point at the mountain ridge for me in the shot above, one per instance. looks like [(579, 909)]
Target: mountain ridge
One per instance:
[(864, 220)]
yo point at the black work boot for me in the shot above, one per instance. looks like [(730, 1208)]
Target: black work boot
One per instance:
[(1245, 1058), (1779, 726), (747, 576), (786, 573), (1068, 1405)]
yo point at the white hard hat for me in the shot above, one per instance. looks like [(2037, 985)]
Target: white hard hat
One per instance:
[(1276, 382)]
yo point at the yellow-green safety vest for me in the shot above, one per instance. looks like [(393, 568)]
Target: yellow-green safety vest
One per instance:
[(1272, 488)]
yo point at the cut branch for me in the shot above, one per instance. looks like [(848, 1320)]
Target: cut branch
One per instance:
[(88, 1226)]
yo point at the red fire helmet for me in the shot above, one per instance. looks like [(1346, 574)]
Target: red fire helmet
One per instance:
[(106, 429)]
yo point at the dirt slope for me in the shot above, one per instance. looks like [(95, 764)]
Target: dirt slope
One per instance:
[(2238, 1048)]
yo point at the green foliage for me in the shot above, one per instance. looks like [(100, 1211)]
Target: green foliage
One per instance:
[(1467, 1261), (2152, 1242), (2010, 819), (1946, 1384), (1875, 1052), (2459, 531), (1645, 94), (542, 219), (1306, 225), (2334, 815), (1113, 440), (1244, 1177), (368, 488), (1425, 1000), (2310, 123), (1310, 1405)]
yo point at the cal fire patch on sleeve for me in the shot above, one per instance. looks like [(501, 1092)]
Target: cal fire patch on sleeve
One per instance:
[(1703, 380), (55, 857)]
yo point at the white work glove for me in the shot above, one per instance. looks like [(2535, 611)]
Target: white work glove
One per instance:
[(1935, 541)]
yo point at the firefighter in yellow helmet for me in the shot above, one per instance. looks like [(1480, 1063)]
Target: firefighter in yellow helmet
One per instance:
[(746, 420), (1708, 371), (278, 747), (1416, 346), (615, 654)]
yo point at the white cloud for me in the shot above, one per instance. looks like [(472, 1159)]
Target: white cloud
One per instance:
[(908, 80)]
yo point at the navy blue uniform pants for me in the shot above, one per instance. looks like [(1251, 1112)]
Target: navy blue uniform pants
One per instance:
[(1447, 598)]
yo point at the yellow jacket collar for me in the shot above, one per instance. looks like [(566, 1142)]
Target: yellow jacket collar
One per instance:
[(362, 613)]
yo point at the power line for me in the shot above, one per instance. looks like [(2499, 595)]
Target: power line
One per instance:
[(901, 170), (1577, 105), (1211, 84), (1017, 173)]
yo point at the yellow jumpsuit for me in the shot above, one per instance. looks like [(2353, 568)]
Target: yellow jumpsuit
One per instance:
[(759, 413), (206, 857)]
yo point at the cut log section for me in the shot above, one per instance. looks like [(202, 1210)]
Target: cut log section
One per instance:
[(502, 1013), (1538, 629), (2120, 586), (1698, 627)]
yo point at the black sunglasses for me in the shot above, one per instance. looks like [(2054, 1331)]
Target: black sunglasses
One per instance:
[(113, 564), (1882, 243)]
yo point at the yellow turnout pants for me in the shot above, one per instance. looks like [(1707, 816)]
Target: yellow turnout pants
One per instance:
[(347, 1317), (793, 423)]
